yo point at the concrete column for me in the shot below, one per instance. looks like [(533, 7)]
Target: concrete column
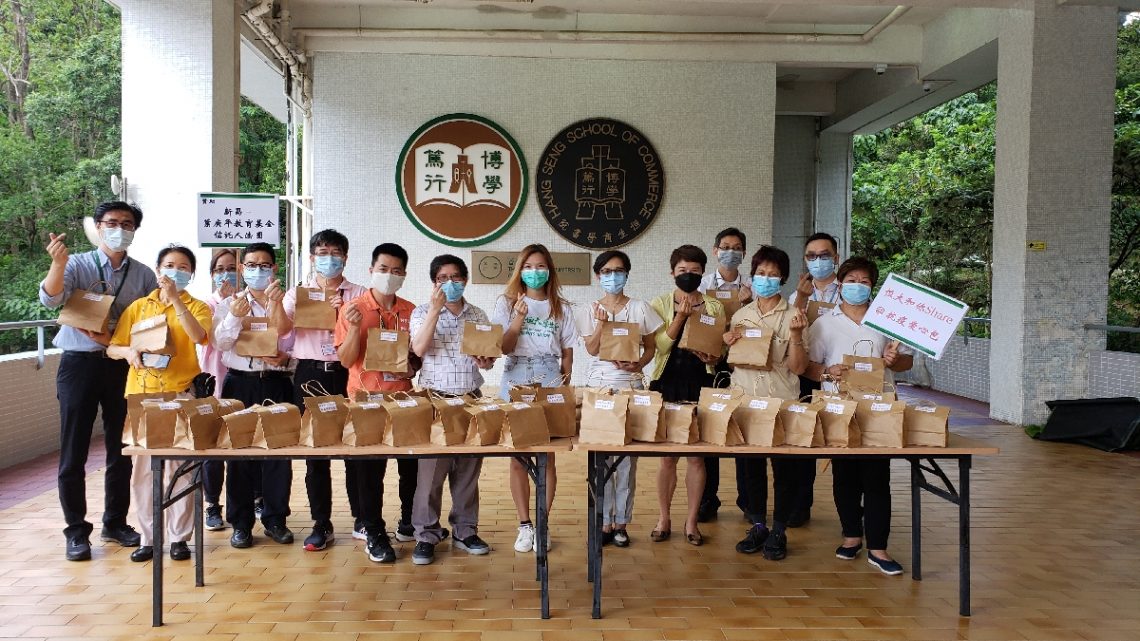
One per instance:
[(1056, 73), (833, 188), (793, 185), (180, 116)]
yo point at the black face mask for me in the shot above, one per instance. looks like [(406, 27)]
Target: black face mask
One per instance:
[(688, 282)]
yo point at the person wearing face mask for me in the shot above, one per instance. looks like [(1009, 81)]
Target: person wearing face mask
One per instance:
[(87, 381), (255, 380), (538, 342), (679, 375), (861, 487), (437, 332), (787, 326), (612, 271), (318, 364), (188, 323), (378, 307), (732, 288), (223, 274)]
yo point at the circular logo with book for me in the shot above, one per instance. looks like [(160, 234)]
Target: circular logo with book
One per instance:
[(599, 183), (461, 180)]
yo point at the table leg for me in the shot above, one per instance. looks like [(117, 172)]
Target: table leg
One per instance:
[(915, 520), (599, 483), (541, 518), (199, 561), (964, 463), (158, 526), (591, 490)]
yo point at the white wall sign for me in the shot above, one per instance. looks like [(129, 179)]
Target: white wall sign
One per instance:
[(915, 315), (236, 220)]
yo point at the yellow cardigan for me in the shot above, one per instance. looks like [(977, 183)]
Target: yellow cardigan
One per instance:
[(663, 305)]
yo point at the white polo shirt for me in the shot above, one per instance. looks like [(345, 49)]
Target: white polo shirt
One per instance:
[(835, 334)]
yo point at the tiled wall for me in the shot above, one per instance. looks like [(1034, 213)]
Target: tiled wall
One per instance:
[(964, 369), (1114, 374), (29, 425)]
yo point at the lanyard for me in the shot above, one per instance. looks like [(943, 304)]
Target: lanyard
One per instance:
[(103, 276)]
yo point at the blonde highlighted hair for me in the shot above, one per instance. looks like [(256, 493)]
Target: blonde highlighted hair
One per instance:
[(553, 288)]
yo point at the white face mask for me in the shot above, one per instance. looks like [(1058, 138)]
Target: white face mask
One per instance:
[(117, 239), (386, 284)]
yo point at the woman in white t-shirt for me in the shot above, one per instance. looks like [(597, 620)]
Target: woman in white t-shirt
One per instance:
[(861, 487), (611, 268), (538, 342)]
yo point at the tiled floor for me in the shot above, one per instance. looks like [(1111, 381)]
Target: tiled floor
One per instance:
[(1054, 551)]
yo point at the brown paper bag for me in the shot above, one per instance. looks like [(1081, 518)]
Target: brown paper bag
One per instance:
[(759, 421), (365, 424), (323, 422), (604, 417), (452, 421), (864, 374), (556, 402), (87, 310), (753, 350), (714, 416), (801, 423), (644, 420), (888, 397), (926, 425), (619, 342), (135, 414), (881, 423), (409, 420), (729, 298), (198, 424), (241, 429), (386, 350), (524, 425), (486, 423), (257, 338), (229, 406), (482, 339), (816, 308), (151, 335), (159, 424), (680, 421), (703, 333), (839, 426), (280, 424), (364, 396), (314, 310)]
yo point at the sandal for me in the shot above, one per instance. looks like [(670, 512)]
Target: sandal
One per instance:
[(658, 536), (695, 539)]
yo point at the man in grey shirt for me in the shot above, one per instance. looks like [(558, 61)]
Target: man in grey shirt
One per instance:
[(87, 380)]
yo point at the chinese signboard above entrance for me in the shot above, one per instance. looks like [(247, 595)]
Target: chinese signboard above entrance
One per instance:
[(915, 315), (461, 180), (600, 183), (236, 220)]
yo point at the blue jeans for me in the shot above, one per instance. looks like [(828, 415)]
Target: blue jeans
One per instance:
[(521, 370)]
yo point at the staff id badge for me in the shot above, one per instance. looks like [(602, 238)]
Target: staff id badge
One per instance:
[(328, 349)]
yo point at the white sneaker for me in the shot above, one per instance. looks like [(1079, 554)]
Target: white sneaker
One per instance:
[(525, 541), (359, 533)]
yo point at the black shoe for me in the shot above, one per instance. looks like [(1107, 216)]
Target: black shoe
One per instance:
[(776, 547), (379, 549), (142, 554), (241, 538), (621, 538), (707, 511), (405, 532), (320, 538), (124, 535), (279, 533), (78, 549), (424, 553), (754, 541), (848, 554), (799, 518), (179, 551), (607, 538), (472, 545), (214, 521)]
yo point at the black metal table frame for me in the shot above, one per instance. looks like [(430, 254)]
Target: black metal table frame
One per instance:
[(535, 464), (600, 469)]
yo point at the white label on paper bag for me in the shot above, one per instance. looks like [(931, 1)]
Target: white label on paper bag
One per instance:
[(880, 407), (834, 408), (602, 404), (278, 409), (726, 397), (389, 337), (406, 403), (520, 406), (492, 408), (863, 367), (753, 333), (717, 407), (92, 296), (483, 328), (872, 397), (643, 401), (757, 404), (370, 406), (150, 322), (724, 294), (926, 408), (225, 402), (259, 327), (621, 331), (205, 409), (798, 409), (529, 398), (454, 402), (169, 406), (672, 407), (317, 296), (327, 407), (555, 398), (708, 320)]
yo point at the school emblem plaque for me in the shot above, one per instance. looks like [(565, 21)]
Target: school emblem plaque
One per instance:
[(599, 183), (461, 180)]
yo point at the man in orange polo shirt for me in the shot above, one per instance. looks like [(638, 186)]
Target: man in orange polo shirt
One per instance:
[(379, 307)]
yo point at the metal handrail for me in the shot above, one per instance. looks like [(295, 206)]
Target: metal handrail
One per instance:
[(1113, 328), (981, 320), (37, 325)]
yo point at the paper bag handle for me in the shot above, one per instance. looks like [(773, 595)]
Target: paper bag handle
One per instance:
[(855, 347), (314, 388)]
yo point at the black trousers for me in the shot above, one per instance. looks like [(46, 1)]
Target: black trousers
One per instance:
[(721, 378), (862, 490), (369, 479), (276, 476), (318, 474), (84, 383), (213, 473), (752, 481), (805, 487)]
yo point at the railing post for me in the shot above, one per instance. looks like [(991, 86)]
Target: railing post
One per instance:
[(39, 346)]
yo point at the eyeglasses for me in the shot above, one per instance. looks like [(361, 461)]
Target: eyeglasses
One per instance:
[(261, 266), (610, 272), (329, 252), (384, 270), (224, 270), (455, 279), (125, 225), (816, 256)]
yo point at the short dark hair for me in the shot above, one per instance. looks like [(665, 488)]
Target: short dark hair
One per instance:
[(438, 262), (218, 256), (609, 255), (260, 247), (117, 205), (858, 263), (178, 249), (690, 254), (329, 237), (774, 255), (823, 236), (732, 231), (393, 250)]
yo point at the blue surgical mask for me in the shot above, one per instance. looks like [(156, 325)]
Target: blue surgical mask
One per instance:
[(328, 266), (181, 278), (453, 290), (225, 277), (729, 258), (535, 278), (256, 278), (765, 286), (821, 268), (614, 282), (855, 293), (117, 239)]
